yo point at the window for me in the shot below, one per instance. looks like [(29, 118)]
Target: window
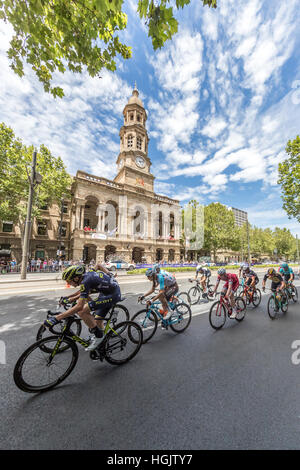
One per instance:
[(7, 227), (131, 117), (64, 229), (65, 208), (86, 222), (139, 143), (138, 118), (130, 141), (42, 228)]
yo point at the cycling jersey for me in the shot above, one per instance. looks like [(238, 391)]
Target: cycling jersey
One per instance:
[(97, 282), (204, 271), (165, 279), (250, 274), (276, 278), (286, 273), (231, 280)]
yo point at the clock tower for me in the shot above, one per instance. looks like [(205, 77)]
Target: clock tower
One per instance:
[(133, 161)]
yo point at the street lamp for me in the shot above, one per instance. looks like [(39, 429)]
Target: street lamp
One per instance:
[(34, 179)]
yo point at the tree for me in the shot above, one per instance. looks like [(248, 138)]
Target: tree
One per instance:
[(15, 161), (59, 34), (285, 243), (289, 172), (220, 231)]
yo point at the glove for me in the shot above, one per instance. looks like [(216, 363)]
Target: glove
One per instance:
[(50, 322)]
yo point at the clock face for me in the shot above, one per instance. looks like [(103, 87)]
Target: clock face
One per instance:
[(140, 161)]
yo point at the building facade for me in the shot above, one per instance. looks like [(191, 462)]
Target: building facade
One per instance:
[(124, 217), (121, 218)]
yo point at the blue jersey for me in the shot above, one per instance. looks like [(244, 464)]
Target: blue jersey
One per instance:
[(165, 279), (97, 282), (286, 272)]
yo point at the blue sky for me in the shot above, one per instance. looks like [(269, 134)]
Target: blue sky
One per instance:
[(223, 98)]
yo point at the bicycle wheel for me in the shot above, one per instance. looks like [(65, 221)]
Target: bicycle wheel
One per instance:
[(36, 372), (148, 321), (122, 344), (256, 299), (294, 294), (272, 307), (194, 294), (184, 297), (284, 303), (241, 308), (217, 315), (120, 314), (76, 329), (181, 318)]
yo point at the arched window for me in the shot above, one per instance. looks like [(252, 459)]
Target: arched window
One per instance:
[(139, 143), (131, 117), (130, 141), (138, 118)]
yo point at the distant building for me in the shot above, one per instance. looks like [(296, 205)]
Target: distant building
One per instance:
[(240, 216)]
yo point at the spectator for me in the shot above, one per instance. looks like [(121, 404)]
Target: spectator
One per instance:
[(60, 265), (38, 264), (33, 265), (50, 265)]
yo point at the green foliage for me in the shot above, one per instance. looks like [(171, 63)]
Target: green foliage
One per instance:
[(289, 179), (219, 229), (15, 166), (79, 34)]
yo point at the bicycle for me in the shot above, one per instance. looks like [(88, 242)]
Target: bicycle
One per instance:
[(149, 317), (64, 354), (120, 312), (251, 296), (292, 292), (196, 291), (277, 301), (218, 311)]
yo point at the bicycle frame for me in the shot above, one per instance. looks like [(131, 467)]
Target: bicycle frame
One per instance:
[(223, 301), (66, 331), (153, 308)]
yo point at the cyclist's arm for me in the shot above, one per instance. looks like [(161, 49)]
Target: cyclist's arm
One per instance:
[(216, 286), (100, 267), (68, 313), (253, 281)]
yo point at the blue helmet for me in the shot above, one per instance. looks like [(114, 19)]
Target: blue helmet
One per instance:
[(284, 265), (221, 271)]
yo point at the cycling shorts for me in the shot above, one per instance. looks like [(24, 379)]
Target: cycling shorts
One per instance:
[(104, 303), (170, 291)]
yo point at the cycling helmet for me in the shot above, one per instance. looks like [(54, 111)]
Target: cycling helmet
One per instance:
[(149, 272), (271, 271), (284, 265), (221, 271), (246, 267), (73, 271)]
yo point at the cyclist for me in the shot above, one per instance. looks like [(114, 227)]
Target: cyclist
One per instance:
[(287, 274), (251, 278), (277, 282), (205, 274), (75, 296), (242, 264), (168, 287), (230, 287), (109, 294)]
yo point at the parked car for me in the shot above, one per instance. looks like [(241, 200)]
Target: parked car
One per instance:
[(113, 265)]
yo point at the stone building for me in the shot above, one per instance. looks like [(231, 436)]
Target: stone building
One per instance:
[(121, 218), (124, 217)]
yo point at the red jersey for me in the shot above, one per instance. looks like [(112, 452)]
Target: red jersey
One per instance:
[(232, 280)]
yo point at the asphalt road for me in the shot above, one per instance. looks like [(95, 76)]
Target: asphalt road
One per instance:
[(236, 388)]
